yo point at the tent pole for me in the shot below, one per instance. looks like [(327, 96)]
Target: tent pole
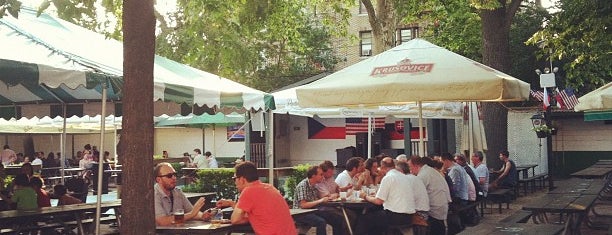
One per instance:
[(101, 159), (63, 143), (421, 142), (270, 145), (370, 132)]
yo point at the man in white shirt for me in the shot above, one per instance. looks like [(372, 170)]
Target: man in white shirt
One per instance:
[(37, 160), (437, 191), (401, 197), (481, 171), (199, 160), (346, 179), (7, 155)]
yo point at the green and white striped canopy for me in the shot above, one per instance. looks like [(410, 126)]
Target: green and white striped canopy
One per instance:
[(46, 60)]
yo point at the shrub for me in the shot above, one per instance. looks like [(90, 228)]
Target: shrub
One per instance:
[(298, 174), (214, 180)]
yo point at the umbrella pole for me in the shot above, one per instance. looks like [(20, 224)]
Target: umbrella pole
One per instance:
[(101, 159), (270, 145), (63, 147), (421, 141), (369, 135)]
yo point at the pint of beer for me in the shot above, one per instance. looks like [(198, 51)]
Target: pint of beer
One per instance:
[(179, 216)]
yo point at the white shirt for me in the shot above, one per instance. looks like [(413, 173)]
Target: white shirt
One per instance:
[(402, 193), (212, 162), (437, 191), (344, 179), (481, 171), (37, 161), (200, 161)]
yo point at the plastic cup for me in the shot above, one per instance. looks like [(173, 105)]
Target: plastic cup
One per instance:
[(179, 216), (343, 196)]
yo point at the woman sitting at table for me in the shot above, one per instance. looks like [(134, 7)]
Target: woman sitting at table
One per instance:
[(370, 175), (63, 197)]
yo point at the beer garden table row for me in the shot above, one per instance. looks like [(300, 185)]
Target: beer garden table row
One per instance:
[(205, 228)]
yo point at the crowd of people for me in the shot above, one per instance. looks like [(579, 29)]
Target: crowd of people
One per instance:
[(413, 191)]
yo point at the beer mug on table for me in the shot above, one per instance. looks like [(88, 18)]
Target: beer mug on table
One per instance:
[(179, 216)]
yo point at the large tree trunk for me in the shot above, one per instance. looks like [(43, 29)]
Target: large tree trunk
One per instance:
[(136, 145), (496, 40), (383, 21)]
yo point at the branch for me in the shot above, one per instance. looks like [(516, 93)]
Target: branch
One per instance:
[(511, 11)]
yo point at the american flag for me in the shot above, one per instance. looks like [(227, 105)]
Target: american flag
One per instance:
[(357, 125), (538, 95), (569, 98)]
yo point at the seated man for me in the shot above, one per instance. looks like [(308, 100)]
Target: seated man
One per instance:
[(168, 198), (401, 197), (269, 216), (307, 196), (60, 192), (508, 177)]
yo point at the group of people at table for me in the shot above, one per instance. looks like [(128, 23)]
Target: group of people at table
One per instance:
[(406, 191)]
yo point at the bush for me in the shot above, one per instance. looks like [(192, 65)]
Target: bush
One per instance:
[(214, 180), (298, 174)]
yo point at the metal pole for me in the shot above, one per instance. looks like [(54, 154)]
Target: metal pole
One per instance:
[(101, 159), (370, 135), (421, 141), (549, 151)]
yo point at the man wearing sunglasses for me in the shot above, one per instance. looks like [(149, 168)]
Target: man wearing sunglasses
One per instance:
[(169, 199), (260, 204)]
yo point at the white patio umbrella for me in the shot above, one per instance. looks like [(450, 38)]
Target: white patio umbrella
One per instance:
[(596, 104), (415, 71), (473, 136)]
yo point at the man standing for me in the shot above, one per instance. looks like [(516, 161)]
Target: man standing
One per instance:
[(269, 216), (401, 197), (199, 161), (437, 191), (7, 155), (307, 197), (481, 171), (169, 199)]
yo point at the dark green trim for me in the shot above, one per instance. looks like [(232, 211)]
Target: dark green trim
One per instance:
[(598, 116)]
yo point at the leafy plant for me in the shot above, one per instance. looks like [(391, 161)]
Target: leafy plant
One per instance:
[(542, 128), (298, 174), (214, 180)]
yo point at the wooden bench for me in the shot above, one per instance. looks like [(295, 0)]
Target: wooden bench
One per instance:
[(53, 180), (500, 196), (531, 181), (521, 216)]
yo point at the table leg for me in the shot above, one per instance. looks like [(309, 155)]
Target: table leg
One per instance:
[(348, 222)]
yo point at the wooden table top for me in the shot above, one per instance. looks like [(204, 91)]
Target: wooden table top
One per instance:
[(561, 203), (519, 228), (67, 209), (593, 172), (202, 227), (580, 186)]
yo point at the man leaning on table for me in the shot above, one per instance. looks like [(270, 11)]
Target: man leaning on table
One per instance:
[(401, 197), (169, 199), (260, 204)]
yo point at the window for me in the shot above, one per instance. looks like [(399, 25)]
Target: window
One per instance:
[(71, 110), (407, 34), (10, 112), (365, 43)]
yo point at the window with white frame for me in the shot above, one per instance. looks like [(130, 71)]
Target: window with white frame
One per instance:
[(406, 34), (365, 43)]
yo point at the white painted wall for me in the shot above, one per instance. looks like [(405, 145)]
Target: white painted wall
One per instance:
[(179, 140), (577, 135)]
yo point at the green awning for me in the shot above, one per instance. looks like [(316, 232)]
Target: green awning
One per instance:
[(598, 116)]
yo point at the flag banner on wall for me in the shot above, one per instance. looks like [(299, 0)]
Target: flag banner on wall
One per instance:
[(320, 129), (360, 125), (396, 131)]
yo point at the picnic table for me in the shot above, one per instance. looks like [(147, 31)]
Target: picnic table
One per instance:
[(593, 172), (580, 186), (524, 170), (75, 210), (519, 228), (575, 205), (353, 204), (205, 228)]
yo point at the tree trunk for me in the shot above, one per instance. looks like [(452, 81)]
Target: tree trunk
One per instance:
[(136, 145), (383, 21), (496, 40)]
